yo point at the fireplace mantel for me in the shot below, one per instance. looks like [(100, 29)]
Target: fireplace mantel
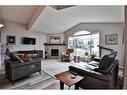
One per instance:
[(53, 44)]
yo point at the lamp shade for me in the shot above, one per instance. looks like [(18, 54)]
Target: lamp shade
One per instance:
[(1, 25)]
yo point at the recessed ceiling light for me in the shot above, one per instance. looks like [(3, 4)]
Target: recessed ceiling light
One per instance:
[(1, 25), (83, 32)]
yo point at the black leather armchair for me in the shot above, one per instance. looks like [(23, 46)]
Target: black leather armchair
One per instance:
[(103, 77)]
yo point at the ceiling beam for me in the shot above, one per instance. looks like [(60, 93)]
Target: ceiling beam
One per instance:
[(60, 7), (35, 16)]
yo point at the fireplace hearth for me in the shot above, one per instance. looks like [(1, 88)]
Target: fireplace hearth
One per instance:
[(54, 52)]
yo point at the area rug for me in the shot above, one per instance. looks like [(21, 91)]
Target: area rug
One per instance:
[(53, 66)]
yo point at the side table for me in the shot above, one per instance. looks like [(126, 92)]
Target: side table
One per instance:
[(69, 78)]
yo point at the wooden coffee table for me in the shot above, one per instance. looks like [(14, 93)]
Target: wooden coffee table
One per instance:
[(68, 78)]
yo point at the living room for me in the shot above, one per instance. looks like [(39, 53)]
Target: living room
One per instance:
[(49, 28)]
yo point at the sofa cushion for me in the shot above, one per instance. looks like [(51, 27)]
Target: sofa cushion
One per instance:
[(14, 57)]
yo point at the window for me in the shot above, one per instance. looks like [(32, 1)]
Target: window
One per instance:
[(84, 43), (81, 33)]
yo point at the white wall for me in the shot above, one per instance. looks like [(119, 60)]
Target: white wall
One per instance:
[(0, 42), (0, 17), (103, 29), (20, 30), (125, 56), (0, 14)]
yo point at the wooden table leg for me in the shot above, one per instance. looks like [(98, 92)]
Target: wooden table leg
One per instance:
[(61, 85), (76, 86)]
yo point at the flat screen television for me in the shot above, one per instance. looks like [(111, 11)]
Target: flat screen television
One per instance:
[(29, 41)]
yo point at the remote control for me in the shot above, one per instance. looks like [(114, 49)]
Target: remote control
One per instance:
[(73, 77)]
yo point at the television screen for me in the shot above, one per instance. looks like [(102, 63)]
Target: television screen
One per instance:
[(30, 41)]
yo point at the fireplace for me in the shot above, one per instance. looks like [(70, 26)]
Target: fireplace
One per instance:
[(54, 52)]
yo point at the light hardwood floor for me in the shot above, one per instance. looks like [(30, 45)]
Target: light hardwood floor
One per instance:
[(35, 81)]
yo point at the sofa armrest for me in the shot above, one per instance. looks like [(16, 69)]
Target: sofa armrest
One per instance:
[(17, 64), (97, 75)]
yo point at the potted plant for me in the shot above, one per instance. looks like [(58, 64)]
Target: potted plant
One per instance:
[(86, 56), (86, 53), (93, 55)]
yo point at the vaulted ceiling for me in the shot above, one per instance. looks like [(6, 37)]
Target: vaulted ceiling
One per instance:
[(20, 14), (50, 19)]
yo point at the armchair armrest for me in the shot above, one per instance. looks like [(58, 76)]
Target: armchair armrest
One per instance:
[(97, 59), (97, 75), (101, 71)]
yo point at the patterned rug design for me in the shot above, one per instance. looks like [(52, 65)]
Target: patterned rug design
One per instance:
[(53, 67)]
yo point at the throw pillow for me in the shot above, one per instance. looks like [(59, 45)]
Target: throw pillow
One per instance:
[(14, 57)]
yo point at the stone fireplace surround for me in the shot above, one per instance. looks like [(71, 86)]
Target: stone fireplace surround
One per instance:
[(54, 52), (49, 48)]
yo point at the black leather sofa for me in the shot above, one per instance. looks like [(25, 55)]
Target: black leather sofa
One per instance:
[(15, 70), (103, 77)]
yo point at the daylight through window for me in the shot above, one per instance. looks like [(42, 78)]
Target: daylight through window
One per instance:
[(84, 44)]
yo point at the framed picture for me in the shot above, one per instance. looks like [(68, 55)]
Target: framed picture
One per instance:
[(111, 39), (55, 39), (11, 39)]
